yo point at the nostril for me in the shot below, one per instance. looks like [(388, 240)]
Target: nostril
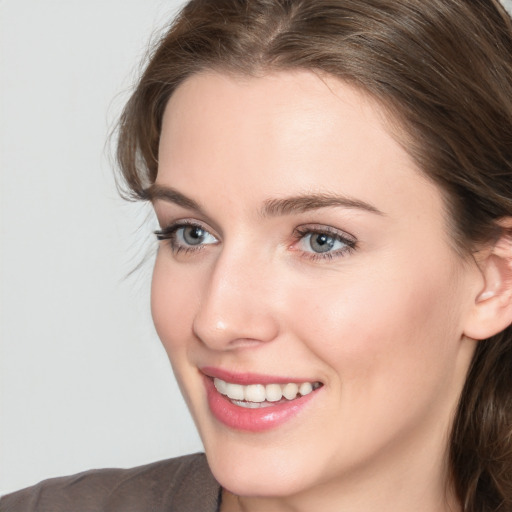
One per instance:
[(239, 328)]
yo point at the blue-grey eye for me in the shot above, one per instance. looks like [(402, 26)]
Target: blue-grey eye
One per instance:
[(194, 235), (320, 243)]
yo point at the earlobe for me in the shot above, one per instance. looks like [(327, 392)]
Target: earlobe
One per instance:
[(492, 311)]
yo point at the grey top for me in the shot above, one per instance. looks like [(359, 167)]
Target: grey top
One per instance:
[(184, 484)]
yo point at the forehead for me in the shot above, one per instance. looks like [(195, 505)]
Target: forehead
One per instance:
[(305, 106), (282, 133)]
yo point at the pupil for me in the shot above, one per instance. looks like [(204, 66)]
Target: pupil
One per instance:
[(322, 243), (193, 235)]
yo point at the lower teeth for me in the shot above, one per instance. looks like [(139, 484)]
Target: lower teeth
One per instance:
[(258, 405), (253, 405)]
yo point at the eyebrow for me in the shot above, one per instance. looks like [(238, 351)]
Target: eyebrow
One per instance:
[(304, 203), (171, 195), (271, 207)]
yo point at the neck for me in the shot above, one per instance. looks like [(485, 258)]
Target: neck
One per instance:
[(393, 485), (401, 499)]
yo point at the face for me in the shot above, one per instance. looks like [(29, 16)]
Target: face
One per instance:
[(303, 253)]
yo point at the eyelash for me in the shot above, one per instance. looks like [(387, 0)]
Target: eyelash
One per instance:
[(348, 240), (169, 234)]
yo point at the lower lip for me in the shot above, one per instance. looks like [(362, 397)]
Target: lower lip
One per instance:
[(252, 420)]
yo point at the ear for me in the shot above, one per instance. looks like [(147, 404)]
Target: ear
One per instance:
[(492, 311)]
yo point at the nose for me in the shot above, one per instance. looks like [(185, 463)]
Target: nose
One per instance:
[(238, 304)]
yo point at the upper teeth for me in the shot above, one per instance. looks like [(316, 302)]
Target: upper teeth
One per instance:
[(262, 393)]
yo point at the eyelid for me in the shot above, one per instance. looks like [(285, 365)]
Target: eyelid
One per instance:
[(346, 238), (168, 228), (321, 228), (168, 234), (168, 214), (349, 241)]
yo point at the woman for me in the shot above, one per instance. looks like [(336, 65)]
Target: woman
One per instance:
[(333, 286)]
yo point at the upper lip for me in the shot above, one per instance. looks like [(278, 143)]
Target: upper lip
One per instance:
[(247, 378)]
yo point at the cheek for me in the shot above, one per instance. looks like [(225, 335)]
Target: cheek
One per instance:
[(391, 327), (391, 350), (173, 303), (172, 306)]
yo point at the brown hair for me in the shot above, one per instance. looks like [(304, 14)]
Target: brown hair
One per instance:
[(443, 68)]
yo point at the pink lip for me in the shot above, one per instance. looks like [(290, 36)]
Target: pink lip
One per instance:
[(252, 420), (247, 378)]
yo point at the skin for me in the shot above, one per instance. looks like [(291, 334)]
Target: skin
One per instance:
[(381, 325)]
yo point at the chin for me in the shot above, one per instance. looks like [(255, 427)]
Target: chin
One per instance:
[(259, 469), (255, 481)]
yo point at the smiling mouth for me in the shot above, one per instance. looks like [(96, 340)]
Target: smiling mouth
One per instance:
[(255, 396)]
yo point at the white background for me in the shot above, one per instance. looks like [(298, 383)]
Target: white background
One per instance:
[(84, 381)]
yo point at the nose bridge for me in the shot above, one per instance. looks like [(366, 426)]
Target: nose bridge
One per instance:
[(236, 305)]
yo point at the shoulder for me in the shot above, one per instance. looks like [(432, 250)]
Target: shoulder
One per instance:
[(181, 484)]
